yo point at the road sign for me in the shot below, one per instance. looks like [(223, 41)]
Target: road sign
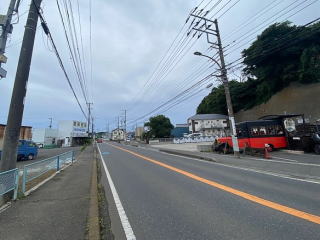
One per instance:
[(3, 58), (3, 73)]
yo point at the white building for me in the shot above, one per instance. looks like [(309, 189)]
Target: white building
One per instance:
[(209, 124), (72, 133), (117, 134), (45, 136)]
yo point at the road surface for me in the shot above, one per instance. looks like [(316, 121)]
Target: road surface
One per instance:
[(170, 197)]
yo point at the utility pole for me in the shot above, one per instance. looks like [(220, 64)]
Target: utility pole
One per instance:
[(207, 24), (92, 128), (89, 116), (50, 126), (118, 135), (12, 131), (125, 121), (5, 24)]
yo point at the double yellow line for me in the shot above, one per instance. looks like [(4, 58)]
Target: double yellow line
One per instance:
[(250, 197)]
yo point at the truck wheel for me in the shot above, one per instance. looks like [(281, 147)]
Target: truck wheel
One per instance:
[(30, 157), (317, 148)]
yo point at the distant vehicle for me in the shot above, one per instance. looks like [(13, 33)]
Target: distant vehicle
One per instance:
[(40, 145), (27, 150), (99, 140), (192, 135)]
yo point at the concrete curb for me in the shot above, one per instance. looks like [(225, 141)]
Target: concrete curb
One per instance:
[(292, 151), (184, 154), (93, 216)]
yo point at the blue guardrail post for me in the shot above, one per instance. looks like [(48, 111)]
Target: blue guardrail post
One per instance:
[(24, 178), (16, 184), (58, 163)]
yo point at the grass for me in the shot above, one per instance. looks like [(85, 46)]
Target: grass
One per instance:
[(34, 182)]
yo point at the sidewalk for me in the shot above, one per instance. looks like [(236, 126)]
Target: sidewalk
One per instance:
[(57, 210)]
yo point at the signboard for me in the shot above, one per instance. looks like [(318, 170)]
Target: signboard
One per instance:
[(3, 58), (235, 143)]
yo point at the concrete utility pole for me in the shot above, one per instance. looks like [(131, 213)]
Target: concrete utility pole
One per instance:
[(12, 132), (222, 67), (5, 24), (50, 126), (89, 116)]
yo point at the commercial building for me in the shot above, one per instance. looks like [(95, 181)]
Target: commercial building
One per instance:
[(25, 133), (209, 124), (180, 130), (118, 134), (72, 133), (45, 136)]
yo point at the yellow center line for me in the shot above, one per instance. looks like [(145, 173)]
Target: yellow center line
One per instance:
[(250, 197)]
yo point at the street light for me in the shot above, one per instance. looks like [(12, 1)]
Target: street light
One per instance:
[(209, 85), (225, 82), (211, 58)]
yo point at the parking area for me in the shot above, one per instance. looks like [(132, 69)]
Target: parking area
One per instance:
[(47, 153)]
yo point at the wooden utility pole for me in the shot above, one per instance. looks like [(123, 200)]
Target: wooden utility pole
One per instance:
[(12, 132)]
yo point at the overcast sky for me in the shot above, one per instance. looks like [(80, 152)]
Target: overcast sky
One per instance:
[(129, 38)]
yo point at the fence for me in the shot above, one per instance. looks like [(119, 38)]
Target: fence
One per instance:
[(9, 182), (194, 139), (39, 168)]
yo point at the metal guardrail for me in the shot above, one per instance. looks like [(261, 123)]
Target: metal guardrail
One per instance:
[(37, 169), (194, 139), (9, 182)]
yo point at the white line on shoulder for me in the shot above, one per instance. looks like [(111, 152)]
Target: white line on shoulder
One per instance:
[(122, 214)]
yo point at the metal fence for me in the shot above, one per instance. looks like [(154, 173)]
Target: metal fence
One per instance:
[(9, 182), (194, 139), (39, 168)]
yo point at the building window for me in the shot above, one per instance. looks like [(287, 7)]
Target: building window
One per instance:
[(74, 124)]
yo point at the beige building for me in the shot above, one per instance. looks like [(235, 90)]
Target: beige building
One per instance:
[(118, 135), (139, 132), (25, 133)]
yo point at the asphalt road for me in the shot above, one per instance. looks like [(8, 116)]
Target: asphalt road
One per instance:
[(193, 199), (47, 153)]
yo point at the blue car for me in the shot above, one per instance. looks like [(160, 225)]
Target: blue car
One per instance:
[(27, 150)]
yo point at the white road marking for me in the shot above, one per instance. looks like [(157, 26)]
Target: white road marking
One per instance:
[(248, 169), (122, 214), (286, 159)]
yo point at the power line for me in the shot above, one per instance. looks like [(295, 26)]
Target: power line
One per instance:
[(48, 33)]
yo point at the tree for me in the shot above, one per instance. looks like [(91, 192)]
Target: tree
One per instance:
[(160, 126)]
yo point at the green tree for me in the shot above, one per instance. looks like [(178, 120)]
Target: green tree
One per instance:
[(160, 126)]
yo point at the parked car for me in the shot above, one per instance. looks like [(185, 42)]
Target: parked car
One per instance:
[(27, 150)]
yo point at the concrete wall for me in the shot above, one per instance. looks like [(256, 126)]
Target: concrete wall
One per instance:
[(294, 99), (45, 136)]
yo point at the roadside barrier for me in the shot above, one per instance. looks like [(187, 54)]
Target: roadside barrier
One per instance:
[(39, 168), (9, 182), (194, 139)]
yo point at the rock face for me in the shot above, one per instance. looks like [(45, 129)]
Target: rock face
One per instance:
[(296, 98)]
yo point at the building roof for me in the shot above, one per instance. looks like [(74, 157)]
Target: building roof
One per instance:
[(280, 116), (182, 125), (21, 126), (208, 117)]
